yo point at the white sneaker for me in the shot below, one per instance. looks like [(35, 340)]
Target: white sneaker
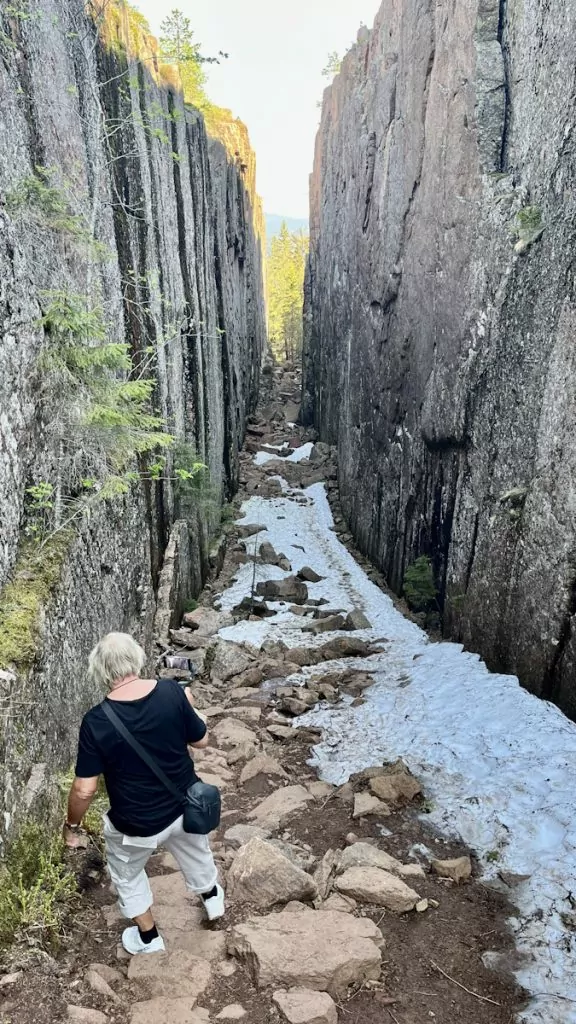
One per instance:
[(215, 905), (133, 943)]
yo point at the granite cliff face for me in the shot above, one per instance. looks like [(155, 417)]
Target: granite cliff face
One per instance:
[(439, 351), (161, 227)]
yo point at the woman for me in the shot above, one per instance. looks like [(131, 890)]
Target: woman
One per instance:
[(143, 813)]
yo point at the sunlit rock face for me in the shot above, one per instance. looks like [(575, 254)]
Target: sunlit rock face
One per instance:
[(439, 316)]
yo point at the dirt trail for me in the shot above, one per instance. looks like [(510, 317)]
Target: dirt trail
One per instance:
[(333, 890)]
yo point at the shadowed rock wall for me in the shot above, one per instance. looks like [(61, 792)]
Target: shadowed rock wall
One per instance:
[(177, 270), (439, 350)]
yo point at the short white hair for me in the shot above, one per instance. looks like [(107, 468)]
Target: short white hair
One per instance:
[(115, 656)]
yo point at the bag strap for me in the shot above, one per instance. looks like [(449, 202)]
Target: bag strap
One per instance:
[(139, 749)]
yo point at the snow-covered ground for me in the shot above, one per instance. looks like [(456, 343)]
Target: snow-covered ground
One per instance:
[(497, 764)]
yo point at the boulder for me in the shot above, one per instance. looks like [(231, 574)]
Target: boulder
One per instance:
[(229, 660), (262, 876), (235, 1011), (262, 764), (365, 804), (281, 805), (302, 656), (329, 624), (323, 873), (250, 713), (254, 606), (345, 647), (238, 835), (459, 869), (297, 854), (230, 732), (281, 732), (294, 706), (365, 855), (243, 751), (206, 622), (289, 589), (397, 788), (308, 575), (336, 901), (381, 888), (325, 952), (171, 974), (251, 677), (250, 529), (84, 1015), (304, 1006), (356, 620), (168, 1011)]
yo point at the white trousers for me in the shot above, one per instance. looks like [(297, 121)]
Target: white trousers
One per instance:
[(128, 856)]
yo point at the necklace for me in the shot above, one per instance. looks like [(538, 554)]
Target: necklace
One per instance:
[(132, 679)]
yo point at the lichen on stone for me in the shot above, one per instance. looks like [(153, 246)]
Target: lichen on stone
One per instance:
[(36, 573)]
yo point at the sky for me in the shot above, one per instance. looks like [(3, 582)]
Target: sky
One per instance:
[(272, 79)]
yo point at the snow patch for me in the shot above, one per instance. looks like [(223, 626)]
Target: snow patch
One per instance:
[(497, 764)]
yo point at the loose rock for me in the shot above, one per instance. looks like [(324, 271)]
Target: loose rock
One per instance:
[(459, 869), (238, 835), (365, 804), (289, 589), (233, 1012), (84, 1015), (230, 732), (229, 660), (263, 876), (168, 1011), (357, 620), (279, 806), (309, 575), (303, 1006), (398, 788), (372, 885), (262, 764)]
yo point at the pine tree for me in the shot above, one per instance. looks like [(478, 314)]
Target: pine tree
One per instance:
[(285, 283), (177, 46)]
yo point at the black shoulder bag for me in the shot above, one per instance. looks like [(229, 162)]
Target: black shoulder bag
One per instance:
[(201, 802)]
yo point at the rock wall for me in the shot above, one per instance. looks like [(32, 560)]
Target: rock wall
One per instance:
[(439, 316), (162, 228)]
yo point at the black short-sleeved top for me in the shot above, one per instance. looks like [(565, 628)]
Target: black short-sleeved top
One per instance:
[(164, 723)]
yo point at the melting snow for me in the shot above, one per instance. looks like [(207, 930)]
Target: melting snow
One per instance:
[(498, 765), (297, 455)]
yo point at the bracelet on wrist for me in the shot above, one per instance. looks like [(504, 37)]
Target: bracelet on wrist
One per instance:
[(72, 828)]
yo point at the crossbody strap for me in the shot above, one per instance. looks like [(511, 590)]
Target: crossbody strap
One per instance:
[(139, 749)]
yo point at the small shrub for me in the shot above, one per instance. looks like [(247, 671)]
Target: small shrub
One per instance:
[(419, 586), (37, 890), (190, 605)]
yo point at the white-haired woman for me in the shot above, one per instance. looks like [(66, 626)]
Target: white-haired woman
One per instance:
[(143, 814)]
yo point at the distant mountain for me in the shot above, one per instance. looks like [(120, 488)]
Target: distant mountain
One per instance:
[(274, 223)]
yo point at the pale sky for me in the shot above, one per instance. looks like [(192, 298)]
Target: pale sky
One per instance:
[(272, 79)]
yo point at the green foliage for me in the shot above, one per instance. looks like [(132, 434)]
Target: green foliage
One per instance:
[(37, 890), (190, 605), (36, 574), (419, 586), (177, 46), (99, 414), (285, 284), (333, 65), (527, 227), (40, 198)]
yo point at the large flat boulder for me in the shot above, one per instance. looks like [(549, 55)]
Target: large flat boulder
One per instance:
[(326, 952), (263, 876), (279, 806), (230, 733), (171, 974), (168, 1011), (372, 885), (206, 621)]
